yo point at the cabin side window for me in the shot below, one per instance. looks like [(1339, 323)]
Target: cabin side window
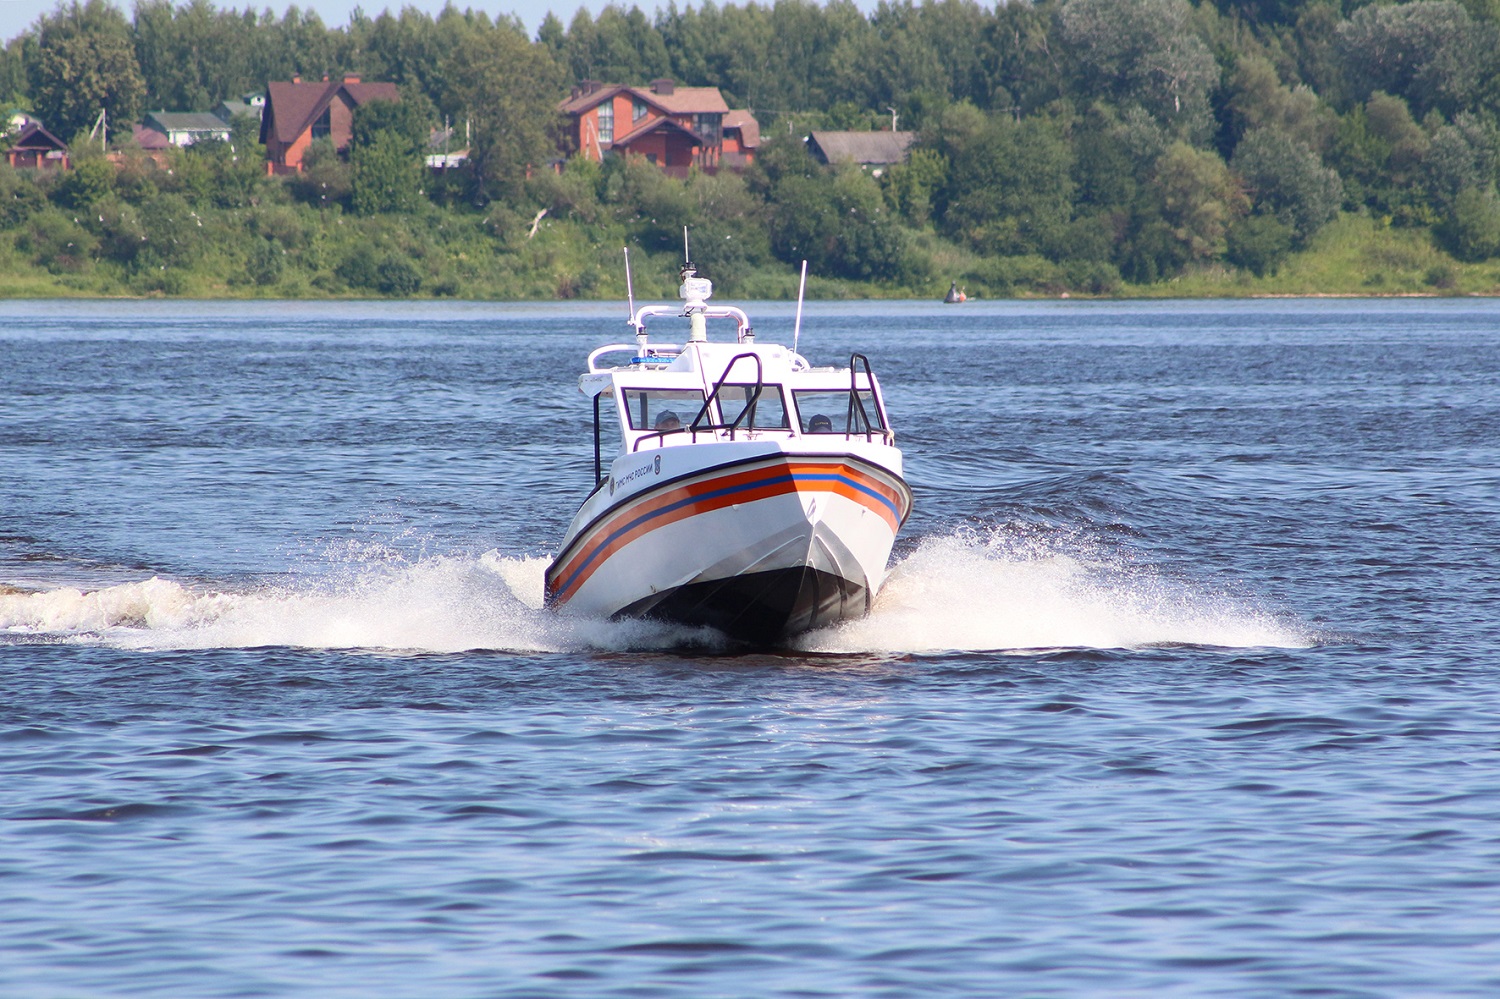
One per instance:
[(770, 408), (834, 411), (655, 409)]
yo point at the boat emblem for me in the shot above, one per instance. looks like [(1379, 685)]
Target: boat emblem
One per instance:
[(657, 465), (611, 485)]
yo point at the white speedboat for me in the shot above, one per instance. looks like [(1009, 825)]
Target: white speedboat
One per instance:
[(746, 489)]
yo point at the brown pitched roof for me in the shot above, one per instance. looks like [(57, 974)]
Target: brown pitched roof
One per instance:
[(582, 102), (149, 138), (292, 106), (861, 147), (689, 100), (34, 136), (682, 100), (748, 126), (654, 124)]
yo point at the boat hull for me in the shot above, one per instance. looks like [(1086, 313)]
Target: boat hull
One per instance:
[(760, 547)]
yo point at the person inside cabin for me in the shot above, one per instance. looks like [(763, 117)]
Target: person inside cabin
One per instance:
[(819, 424), (668, 420)]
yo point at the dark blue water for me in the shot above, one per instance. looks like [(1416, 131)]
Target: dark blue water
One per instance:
[(1186, 680)]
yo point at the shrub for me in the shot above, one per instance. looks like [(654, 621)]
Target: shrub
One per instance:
[(1259, 244), (359, 269), (56, 241), (85, 185), (121, 234), (1471, 230), (1096, 277), (266, 263), (173, 229), (324, 180), (397, 277), (19, 197), (280, 223)]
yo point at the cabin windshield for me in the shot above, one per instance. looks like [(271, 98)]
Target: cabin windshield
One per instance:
[(832, 411), (770, 408), (656, 409)]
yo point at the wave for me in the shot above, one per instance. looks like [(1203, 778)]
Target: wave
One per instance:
[(1021, 588), (1009, 591), (437, 604)]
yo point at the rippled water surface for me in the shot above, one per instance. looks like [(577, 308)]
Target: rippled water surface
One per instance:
[(1185, 680)]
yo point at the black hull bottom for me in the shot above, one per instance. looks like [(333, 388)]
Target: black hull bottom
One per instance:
[(760, 608)]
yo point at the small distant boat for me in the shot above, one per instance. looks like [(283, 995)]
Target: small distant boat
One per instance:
[(748, 490), (955, 295)]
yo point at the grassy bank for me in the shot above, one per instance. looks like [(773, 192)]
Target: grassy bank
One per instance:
[(297, 252)]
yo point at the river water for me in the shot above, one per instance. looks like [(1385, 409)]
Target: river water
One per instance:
[(1185, 680)]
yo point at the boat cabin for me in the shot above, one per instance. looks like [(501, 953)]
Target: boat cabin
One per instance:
[(673, 395)]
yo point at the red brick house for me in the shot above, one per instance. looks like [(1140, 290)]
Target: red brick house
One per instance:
[(296, 113), (37, 149), (674, 127)]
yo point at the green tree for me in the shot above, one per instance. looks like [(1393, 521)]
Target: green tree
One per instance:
[(1143, 53), (730, 237), (192, 55), (324, 181), (1460, 155), (1289, 181), (1428, 52), (265, 263), (1471, 230), (835, 219), (13, 72), (174, 232), (387, 157), (1259, 243), (412, 50), (20, 197), (1010, 188), (398, 277), (506, 87), (1198, 199), (55, 240), (618, 46), (1258, 99), (89, 182), (84, 63), (911, 186)]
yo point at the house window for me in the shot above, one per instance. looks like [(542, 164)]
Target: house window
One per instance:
[(606, 124), (710, 126), (324, 125), (637, 110)]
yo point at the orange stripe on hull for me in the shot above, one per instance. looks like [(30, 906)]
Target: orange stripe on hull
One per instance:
[(682, 502)]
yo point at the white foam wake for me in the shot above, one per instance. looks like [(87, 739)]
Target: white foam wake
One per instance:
[(1013, 591), (952, 593), (437, 604)]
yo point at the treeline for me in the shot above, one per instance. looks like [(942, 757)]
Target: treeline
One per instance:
[(1086, 145)]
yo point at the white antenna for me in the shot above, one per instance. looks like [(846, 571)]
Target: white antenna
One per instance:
[(629, 288), (801, 288), (686, 256)]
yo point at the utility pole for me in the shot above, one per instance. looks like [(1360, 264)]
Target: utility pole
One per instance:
[(893, 118)]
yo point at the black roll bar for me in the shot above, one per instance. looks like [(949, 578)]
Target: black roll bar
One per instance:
[(857, 404), (598, 463), (698, 425)]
